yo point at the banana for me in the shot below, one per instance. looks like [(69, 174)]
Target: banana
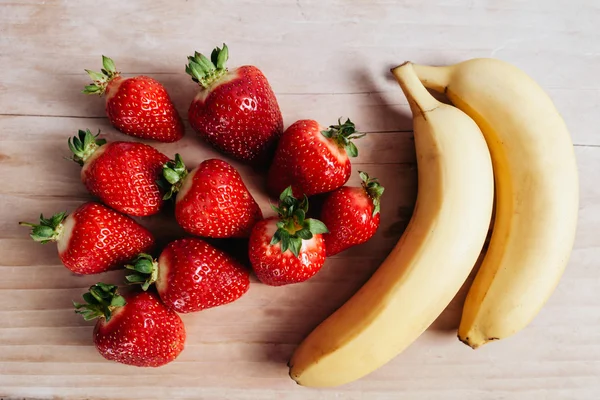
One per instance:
[(430, 262), (536, 193)]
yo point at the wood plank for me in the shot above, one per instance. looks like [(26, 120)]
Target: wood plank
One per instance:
[(377, 30), (25, 139), (399, 180), (267, 323), (351, 77), (381, 110)]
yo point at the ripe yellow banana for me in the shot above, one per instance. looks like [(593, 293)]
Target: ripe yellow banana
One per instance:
[(432, 259), (537, 193)]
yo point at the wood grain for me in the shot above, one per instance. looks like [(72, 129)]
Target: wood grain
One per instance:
[(324, 60)]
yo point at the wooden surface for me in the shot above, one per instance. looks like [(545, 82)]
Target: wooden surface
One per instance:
[(324, 60)]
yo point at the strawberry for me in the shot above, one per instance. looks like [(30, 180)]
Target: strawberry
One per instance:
[(138, 106), (133, 329), (289, 248), (93, 239), (212, 200), (191, 275), (313, 159), (351, 214), (235, 111), (122, 174)]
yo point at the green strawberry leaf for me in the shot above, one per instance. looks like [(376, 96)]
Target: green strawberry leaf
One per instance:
[(214, 55), (343, 134), (222, 57), (287, 192), (373, 189), (304, 234), (146, 271), (285, 241), (304, 204), (293, 227), (84, 145), (173, 174), (117, 301), (96, 76), (316, 227), (48, 230), (328, 133), (351, 149), (300, 215), (295, 246), (135, 278), (276, 237), (100, 302), (204, 71), (101, 79), (109, 65)]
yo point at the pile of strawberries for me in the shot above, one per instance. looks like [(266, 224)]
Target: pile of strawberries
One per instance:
[(236, 112)]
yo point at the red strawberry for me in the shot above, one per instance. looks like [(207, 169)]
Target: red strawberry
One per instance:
[(134, 329), (122, 174), (191, 275), (93, 239), (288, 248), (313, 159), (235, 111), (212, 200), (138, 106), (351, 214)]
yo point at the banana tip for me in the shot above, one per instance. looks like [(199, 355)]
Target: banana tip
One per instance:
[(476, 344), (398, 66), (295, 379), (467, 342)]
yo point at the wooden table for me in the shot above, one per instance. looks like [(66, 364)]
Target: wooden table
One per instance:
[(324, 60)]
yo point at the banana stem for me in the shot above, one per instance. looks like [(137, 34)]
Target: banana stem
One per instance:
[(419, 99), (434, 78)]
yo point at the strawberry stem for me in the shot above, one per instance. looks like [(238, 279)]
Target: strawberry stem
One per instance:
[(100, 302), (146, 271), (204, 71), (48, 230), (343, 134), (84, 145), (374, 190), (293, 226), (101, 79), (174, 173)]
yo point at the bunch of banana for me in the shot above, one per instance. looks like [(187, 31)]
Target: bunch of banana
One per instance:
[(536, 197), (427, 267), (537, 193)]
